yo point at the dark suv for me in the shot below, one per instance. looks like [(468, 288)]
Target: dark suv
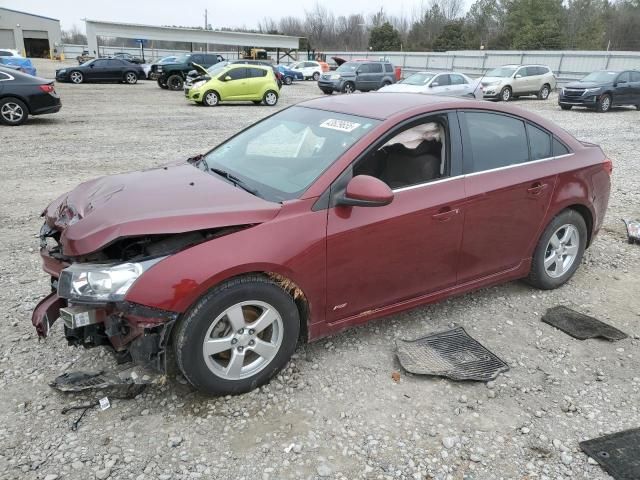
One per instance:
[(601, 90), (172, 75), (357, 75)]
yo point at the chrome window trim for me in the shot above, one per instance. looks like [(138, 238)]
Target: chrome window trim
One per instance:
[(11, 77), (442, 180)]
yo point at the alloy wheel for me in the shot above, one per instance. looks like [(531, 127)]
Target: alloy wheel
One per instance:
[(544, 93), (76, 77), (243, 340), (131, 78), (506, 95), (605, 103), (12, 112), (270, 98), (561, 251), (348, 88), (211, 99)]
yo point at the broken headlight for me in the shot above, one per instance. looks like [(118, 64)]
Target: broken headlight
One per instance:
[(93, 282)]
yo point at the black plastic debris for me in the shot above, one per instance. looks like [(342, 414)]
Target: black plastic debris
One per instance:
[(126, 384), (633, 230), (452, 354), (579, 325), (618, 454)]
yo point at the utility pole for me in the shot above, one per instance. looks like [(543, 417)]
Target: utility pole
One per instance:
[(206, 24)]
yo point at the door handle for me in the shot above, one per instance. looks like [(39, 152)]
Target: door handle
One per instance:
[(537, 188), (445, 214)]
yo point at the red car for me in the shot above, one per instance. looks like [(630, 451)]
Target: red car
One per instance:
[(323, 216)]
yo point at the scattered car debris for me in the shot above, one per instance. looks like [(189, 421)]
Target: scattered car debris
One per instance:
[(618, 454), (579, 325), (85, 408), (633, 230), (451, 353), (126, 383)]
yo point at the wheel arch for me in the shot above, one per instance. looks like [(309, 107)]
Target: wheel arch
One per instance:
[(18, 97), (587, 215)]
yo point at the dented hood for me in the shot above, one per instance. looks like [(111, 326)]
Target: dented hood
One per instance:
[(172, 199)]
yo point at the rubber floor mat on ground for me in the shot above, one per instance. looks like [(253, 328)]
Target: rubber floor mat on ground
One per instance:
[(451, 353), (580, 326), (618, 453)]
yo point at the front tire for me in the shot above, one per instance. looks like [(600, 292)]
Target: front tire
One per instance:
[(162, 84), (327, 92), (506, 94), (559, 251), (270, 98), (175, 82), (544, 92), (211, 99), (604, 103), (348, 87), (131, 78), (238, 336), (13, 111), (566, 107), (76, 77)]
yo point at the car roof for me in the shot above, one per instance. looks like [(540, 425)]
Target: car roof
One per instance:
[(247, 65)]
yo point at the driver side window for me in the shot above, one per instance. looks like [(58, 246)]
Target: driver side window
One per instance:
[(235, 74), (415, 155)]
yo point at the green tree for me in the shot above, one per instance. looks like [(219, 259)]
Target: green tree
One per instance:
[(384, 37), (535, 24), (485, 22), (452, 37), (585, 24)]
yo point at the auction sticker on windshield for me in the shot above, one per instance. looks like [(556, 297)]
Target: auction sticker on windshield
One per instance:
[(340, 125)]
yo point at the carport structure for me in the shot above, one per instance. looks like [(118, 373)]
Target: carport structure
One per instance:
[(97, 28)]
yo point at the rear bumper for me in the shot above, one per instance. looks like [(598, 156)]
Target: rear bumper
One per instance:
[(47, 109)]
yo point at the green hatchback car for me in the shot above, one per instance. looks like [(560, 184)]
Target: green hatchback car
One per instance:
[(236, 82)]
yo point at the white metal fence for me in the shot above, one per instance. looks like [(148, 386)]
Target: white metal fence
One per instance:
[(566, 64), (150, 54)]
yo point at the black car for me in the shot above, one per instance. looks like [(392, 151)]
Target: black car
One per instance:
[(102, 70), (602, 90), (22, 95), (128, 57), (172, 75)]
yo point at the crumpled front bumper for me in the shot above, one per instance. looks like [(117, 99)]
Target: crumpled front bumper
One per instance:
[(46, 313)]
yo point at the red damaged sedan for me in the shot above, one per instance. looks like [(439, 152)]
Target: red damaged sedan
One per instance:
[(323, 216)]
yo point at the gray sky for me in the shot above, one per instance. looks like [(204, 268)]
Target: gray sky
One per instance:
[(227, 13)]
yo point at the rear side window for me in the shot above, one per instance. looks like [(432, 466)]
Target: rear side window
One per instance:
[(457, 79), (559, 148), (635, 76), (4, 76), (257, 72), (4, 53), (496, 140), (389, 68), (197, 59), (376, 67), (539, 143)]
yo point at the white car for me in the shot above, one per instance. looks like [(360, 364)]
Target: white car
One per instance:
[(308, 68), (9, 52), (452, 84)]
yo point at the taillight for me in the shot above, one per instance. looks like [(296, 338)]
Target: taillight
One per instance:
[(47, 88), (608, 165)]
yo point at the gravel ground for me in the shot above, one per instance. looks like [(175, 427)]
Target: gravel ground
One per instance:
[(335, 412)]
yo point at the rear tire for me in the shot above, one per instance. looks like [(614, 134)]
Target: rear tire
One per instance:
[(564, 237), (175, 82), (222, 321), (566, 107), (270, 98), (131, 78), (604, 103), (288, 80), (13, 111)]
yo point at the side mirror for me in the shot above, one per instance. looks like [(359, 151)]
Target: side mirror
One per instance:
[(366, 191), (227, 78), (434, 84), (92, 65), (518, 76)]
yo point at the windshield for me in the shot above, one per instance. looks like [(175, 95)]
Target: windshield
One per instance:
[(501, 72), (600, 77), (182, 59), (418, 79), (217, 67), (280, 157), (167, 60), (88, 62), (348, 67)]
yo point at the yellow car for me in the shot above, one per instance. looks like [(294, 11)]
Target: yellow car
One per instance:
[(236, 82)]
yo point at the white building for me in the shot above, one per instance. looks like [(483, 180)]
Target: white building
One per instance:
[(32, 35)]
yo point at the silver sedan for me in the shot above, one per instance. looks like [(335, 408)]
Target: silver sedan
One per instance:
[(452, 84)]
